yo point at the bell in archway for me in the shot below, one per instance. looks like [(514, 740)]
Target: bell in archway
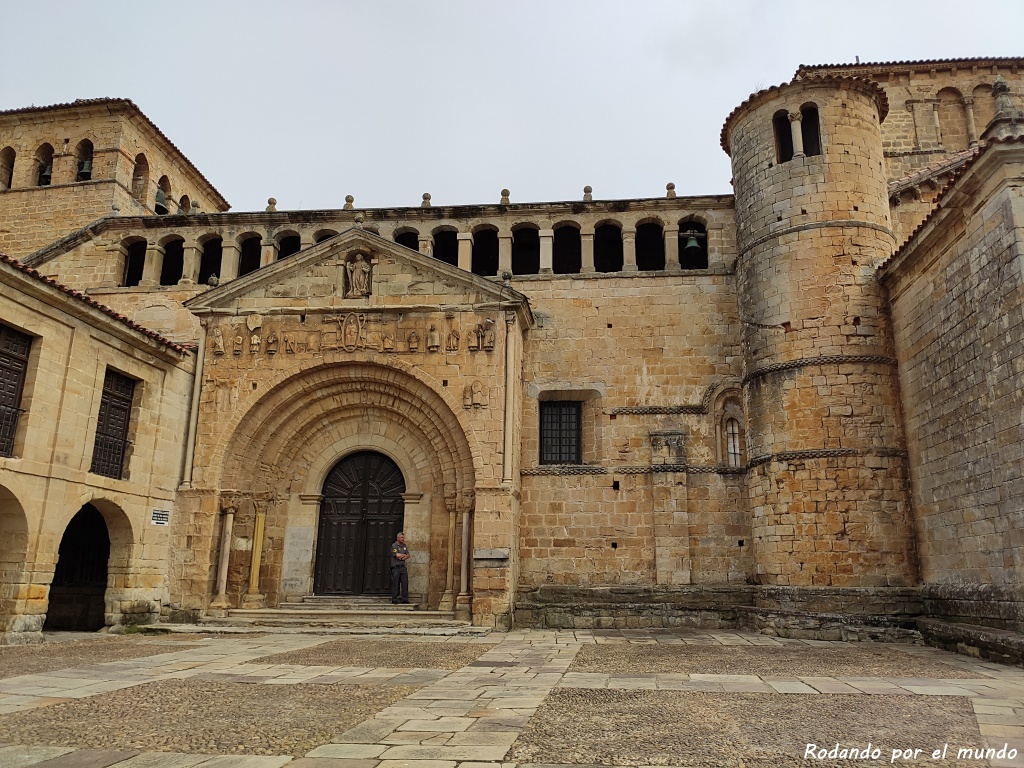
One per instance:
[(692, 246)]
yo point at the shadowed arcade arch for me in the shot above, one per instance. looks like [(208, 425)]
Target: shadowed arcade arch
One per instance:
[(13, 554)]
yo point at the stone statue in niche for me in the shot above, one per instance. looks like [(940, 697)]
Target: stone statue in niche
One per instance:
[(272, 343), (453, 340), (218, 341), (387, 342), (414, 341), (474, 395), (433, 339), (254, 344), (476, 338), (239, 341), (488, 342), (358, 277), (224, 394)]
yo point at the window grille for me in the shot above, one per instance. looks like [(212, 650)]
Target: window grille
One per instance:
[(561, 432), (732, 443), (112, 425), (14, 347)]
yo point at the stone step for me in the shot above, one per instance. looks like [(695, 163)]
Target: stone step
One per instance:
[(345, 605)]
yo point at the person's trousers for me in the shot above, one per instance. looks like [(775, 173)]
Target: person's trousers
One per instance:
[(399, 584)]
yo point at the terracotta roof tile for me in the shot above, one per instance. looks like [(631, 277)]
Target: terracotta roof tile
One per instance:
[(970, 61)]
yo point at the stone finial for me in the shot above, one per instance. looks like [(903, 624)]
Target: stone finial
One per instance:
[(359, 220), (348, 202), (426, 200), (213, 281), (588, 193), (670, 189), (1007, 121), (271, 204), (504, 197)]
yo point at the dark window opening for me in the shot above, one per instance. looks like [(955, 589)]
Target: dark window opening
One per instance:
[(734, 454), (526, 251), (288, 246), (112, 425), (485, 253), (134, 263), (566, 251), (163, 194), (83, 157), (783, 136), (810, 130), (210, 262), (14, 348), (249, 258), (79, 585), (446, 247), (321, 236), (608, 248), (7, 156), (650, 247), (44, 166), (409, 239), (140, 178), (561, 432), (693, 245), (174, 262)]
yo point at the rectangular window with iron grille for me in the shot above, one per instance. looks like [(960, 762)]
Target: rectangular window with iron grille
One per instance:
[(112, 426), (14, 348), (561, 432)]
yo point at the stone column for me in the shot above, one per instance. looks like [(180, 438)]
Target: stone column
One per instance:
[(229, 255), (671, 235), (154, 265), (511, 377), (972, 131), (547, 241), (253, 598), (504, 253), (465, 251), (221, 600), (192, 256), (587, 251), (426, 244), (268, 255), (795, 127), (628, 250), (448, 598), (463, 607)]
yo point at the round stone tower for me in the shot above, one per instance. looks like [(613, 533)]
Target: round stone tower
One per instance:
[(828, 483)]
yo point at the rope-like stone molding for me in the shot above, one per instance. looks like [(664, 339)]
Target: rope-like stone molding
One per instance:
[(564, 469), (581, 469), (806, 362), (814, 225), (826, 453)]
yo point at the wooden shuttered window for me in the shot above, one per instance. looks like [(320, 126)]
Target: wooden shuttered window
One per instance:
[(112, 427), (561, 432), (14, 348)]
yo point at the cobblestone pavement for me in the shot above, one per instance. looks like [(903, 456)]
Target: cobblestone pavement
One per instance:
[(530, 698)]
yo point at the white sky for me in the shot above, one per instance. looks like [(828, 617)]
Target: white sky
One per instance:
[(386, 99)]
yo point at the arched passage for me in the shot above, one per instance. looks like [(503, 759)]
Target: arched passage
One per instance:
[(361, 511), (13, 551), (79, 583)]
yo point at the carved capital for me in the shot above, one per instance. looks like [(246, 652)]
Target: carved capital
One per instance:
[(795, 117)]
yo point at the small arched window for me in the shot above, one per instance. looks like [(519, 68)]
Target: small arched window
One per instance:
[(7, 156), (210, 262), (44, 165), (650, 247), (608, 248), (783, 136), (250, 255), (140, 178), (526, 250), (163, 194), (288, 243), (485, 252), (83, 158), (810, 130), (134, 261), (409, 238), (733, 452), (567, 251), (446, 246), (174, 262), (184, 205)]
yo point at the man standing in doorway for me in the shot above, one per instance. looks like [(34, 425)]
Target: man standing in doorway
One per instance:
[(399, 574)]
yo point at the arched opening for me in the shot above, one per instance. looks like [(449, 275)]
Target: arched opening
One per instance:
[(184, 205), (446, 246), (952, 120), (140, 178), (323, 234), (783, 136), (526, 251), (163, 194), (210, 261), (174, 262), (361, 511), (810, 130), (693, 245), (731, 440), (134, 261), (249, 256), (80, 578), (984, 107), (566, 251), (485, 252), (287, 245), (7, 155), (410, 238), (13, 552), (650, 247), (608, 248), (44, 165), (734, 455), (83, 159)]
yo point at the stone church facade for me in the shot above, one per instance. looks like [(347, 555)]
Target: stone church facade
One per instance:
[(796, 408)]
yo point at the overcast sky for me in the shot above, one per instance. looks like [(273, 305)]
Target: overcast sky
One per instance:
[(387, 99)]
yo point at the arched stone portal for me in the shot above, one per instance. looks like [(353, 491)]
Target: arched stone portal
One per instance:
[(79, 584), (361, 512), (13, 578)]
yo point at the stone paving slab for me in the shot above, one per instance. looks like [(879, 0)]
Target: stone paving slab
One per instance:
[(22, 757)]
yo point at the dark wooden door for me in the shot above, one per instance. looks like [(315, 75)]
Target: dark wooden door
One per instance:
[(360, 515)]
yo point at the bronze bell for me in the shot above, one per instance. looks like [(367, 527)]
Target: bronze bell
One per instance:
[(691, 245), (161, 198)]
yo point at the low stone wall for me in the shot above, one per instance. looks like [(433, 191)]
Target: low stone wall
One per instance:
[(991, 605), (972, 640)]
